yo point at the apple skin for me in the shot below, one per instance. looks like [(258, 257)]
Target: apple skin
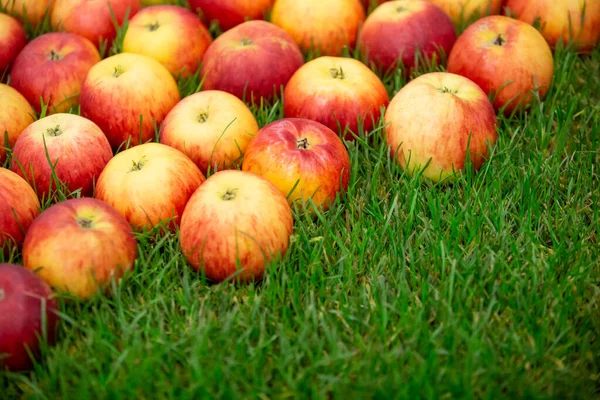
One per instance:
[(464, 11), (15, 115), (53, 66), (251, 61), (231, 13), (92, 19), (12, 41), (78, 245), (35, 10), (28, 312), (123, 88), (427, 123), (558, 18), (235, 217), (325, 27), (512, 70), (173, 35), (336, 90), (19, 206), (212, 127)]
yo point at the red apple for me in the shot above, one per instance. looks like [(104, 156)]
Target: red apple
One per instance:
[(506, 57), (323, 27), (149, 184), (12, 41), (434, 120), (79, 245), (126, 95), (31, 12), (251, 61), (234, 225), (19, 206), (212, 127), (336, 91), (466, 11), (52, 67), (15, 115), (576, 21), (303, 158), (230, 13), (28, 317), (77, 148)]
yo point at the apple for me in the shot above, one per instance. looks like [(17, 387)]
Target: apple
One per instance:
[(212, 127), (372, 4), (172, 35), (126, 95), (231, 13), (251, 61), (28, 317), (323, 27), (12, 41), (93, 19), (506, 57), (79, 245), (336, 91), (234, 225), (31, 12), (15, 115), (467, 11), (432, 122), (52, 67), (19, 206), (569, 21), (149, 184)]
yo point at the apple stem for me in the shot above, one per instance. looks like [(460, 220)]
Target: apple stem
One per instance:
[(153, 26), (337, 73), (302, 144), (203, 117), (56, 131), (137, 166), (246, 42), (499, 40), (118, 71), (54, 55), (229, 194), (85, 223), (446, 90)]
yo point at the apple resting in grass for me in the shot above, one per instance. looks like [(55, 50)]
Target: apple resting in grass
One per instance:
[(77, 148), (505, 56), (212, 127), (234, 225), (15, 115), (253, 60), (126, 90), (172, 35), (230, 13), (576, 21), (19, 206), (78, 245), (53, 67), (432, 122), (149, 184), (28, 317), (31, 12), (323, 27), (337, 92), (12, 41), (466, 11), (300, 155), (414, 32)]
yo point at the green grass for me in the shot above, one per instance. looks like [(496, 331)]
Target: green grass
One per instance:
[(485, 288)]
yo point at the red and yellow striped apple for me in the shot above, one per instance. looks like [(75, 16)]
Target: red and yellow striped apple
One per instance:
[(231, 13), (466, 11), (28, 11), (15, 115), (12, 41)]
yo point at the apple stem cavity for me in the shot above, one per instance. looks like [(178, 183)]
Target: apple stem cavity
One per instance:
[(446, 90), (401, 9), (337, 73), (118, 71), (500, 40), (137, 166), (202, 117), (153, 26), (246, 42), (54, 56), (85, 223), (56, 131), (229, 194), (302, 144)]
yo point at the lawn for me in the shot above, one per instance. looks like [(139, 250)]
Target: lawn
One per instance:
[(488, 287)]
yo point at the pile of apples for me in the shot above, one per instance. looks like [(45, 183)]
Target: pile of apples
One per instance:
[(101, 134)]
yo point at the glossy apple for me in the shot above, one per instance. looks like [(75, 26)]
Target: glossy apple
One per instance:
[(336, 91), (12, 41), (31, 12), (432, 122), (212, 127), (230, 13), (15, 115), (467, 11), (506, 57), (126, 95), (234, 225)]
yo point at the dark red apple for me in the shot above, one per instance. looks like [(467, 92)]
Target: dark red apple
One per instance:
[(230, 13)]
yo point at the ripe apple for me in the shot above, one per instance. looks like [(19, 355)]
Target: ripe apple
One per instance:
[(234, 225), (27, 11), (231, 13), (79, 245), (28, 313), (19, 206), (252, 60), (12, 41), (465, 11), (173, 35), (576, 21), (403, 29), (15, 115), (92, 19), (126, 95), (212, 127), (505, 56), (324, 27), (336, 91), (432, 122), (149, 184), (52, 67)]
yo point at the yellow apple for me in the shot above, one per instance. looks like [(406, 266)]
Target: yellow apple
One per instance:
[(461, 11), (30, 11), (15, 115)]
